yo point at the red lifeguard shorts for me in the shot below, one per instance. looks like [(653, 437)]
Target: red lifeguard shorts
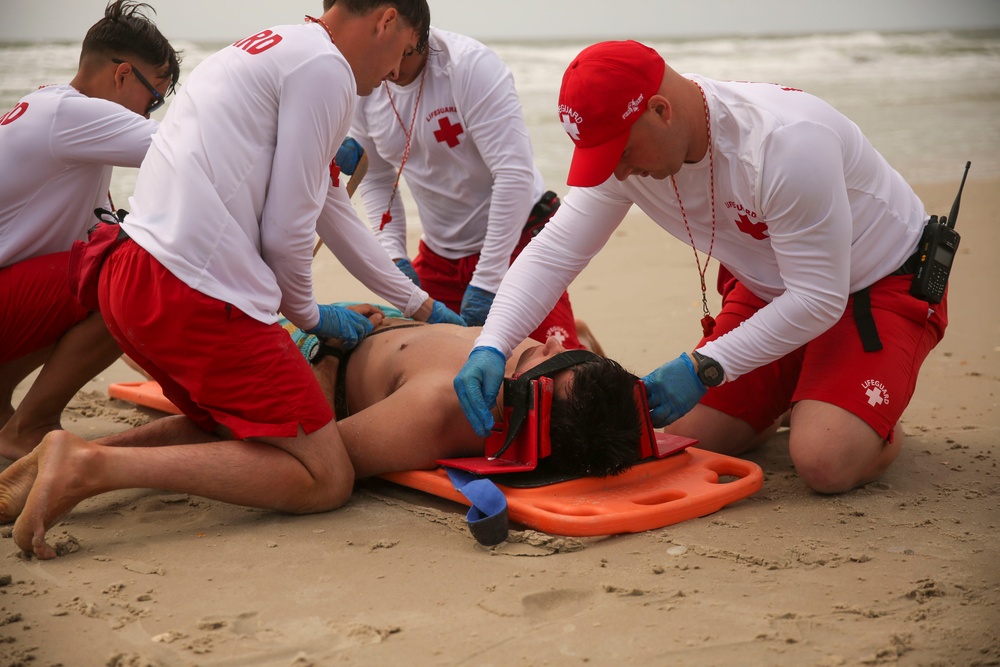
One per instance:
[(834, 368), (215, 363), (446, 279), (36, 304)]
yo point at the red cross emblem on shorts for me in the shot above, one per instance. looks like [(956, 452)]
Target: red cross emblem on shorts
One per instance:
[(448, 132)]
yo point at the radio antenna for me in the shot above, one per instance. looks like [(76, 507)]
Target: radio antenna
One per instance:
[(953, 215)]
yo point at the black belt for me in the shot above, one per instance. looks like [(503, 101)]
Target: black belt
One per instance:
[(863, 306), (865, 322)]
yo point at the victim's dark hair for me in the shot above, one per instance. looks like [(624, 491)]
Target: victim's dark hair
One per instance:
[(414, 12), (595, 430), (127, 33)]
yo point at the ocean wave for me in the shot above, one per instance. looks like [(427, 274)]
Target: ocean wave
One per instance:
[(928, 100)]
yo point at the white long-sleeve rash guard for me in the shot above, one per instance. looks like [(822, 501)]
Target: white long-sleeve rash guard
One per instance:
[(237, 181), (807, 212), (470, 167)]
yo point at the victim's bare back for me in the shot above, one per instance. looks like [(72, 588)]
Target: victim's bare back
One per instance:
[(404, 413)]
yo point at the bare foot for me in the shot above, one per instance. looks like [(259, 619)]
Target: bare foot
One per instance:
[(58, 487), (15, 483)]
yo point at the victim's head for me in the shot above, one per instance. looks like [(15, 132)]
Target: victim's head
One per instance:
[(594, 424)]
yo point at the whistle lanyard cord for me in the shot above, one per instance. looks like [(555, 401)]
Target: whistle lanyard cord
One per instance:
[(707, 321), (387, 216)]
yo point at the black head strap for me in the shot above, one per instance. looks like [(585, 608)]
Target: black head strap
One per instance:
[(518, 395)]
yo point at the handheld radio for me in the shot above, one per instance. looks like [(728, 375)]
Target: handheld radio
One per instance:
[(936, 250)]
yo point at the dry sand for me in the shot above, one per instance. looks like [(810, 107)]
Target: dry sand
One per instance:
[(904, 571)]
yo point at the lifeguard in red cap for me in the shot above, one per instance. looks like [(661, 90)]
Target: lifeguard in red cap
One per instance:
[(816, 234)]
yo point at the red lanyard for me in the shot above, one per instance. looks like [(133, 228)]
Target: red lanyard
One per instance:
[(387, 216), (310, 19), (707, 322)]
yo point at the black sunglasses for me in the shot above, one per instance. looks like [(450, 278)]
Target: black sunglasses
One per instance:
[(157, 98)]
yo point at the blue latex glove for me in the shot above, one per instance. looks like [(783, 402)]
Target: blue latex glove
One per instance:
[(341, 323), (441, 313), (476, 304), (673, 389), (477, 386), (407, 268), (348, 155)]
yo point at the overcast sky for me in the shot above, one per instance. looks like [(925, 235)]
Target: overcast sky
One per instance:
[(224, 20)]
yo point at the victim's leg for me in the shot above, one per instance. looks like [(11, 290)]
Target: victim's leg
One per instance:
[(308, 473), (81, 353)]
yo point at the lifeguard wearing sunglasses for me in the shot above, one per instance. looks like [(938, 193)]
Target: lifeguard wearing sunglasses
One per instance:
[(158, 98)]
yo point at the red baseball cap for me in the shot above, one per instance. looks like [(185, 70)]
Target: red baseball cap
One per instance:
[(603, 93)]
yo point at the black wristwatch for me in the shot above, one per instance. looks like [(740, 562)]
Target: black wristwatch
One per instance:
[(709, 370)]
